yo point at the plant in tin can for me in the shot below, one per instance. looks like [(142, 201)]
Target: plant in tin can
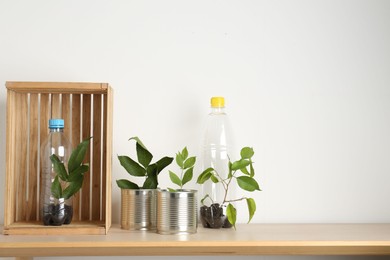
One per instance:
[(186, 165), (143, 168)]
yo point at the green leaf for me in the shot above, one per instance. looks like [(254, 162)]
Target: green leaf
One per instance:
[(56, 189), (78, 154), (231, 214), (72, 188), (179, 160), (214, 179), (125, 184), (237, 165), (230, 175), (151, 170), (174, 178), (184, 153), (247, 153), (247, 183), (190, 162), (143, 155), (150, 182), (251, 207), (188, 175), (163, 162), (171, 190), (252, 170), (78, 173), (132, 167), (138, 141), (245, 171), (59, 167), (205, 175)]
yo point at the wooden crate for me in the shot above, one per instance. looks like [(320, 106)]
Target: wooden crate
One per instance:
[(87, 111)]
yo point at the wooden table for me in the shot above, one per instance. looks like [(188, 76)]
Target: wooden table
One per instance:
[(252, 239)]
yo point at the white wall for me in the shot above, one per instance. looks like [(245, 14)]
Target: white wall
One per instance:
[(307, 84)]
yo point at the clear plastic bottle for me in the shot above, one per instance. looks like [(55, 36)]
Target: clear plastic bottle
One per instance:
[(217, 148), (54, 211)]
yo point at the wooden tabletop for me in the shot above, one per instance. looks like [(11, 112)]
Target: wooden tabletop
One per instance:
[(252, 239)]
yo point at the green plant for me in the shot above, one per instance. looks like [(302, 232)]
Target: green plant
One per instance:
[(74, 176), (143, 168), (238, 171), (186, 165)]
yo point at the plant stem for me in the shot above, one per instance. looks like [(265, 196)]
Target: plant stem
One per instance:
[(181, 177), (243, 198), (227, 188)]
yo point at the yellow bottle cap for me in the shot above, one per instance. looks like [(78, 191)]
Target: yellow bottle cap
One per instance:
[(217, 102)]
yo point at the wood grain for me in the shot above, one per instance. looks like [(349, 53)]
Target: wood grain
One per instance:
[(44, 113), (56, 106), (96, 157), (57, 87), (10, 204), (252, 239), (86, 132), (76, 113), (21, 154), (108, 123), (32, 198)]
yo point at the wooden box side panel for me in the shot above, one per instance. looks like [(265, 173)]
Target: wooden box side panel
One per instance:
[(9, 212), (108, 115)]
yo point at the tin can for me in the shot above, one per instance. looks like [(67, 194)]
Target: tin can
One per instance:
[(138, 209), (177, 212)]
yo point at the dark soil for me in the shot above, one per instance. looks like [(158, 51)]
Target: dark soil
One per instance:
[(213, 217), (56, 215)]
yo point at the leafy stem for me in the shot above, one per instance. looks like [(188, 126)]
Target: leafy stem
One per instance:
[(245, 181), (186, 165), (142, 168), (73, 175)]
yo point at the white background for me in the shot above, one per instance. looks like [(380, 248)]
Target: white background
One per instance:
[(307, 85)]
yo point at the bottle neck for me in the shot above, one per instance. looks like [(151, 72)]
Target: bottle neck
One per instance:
[(217, 110), (54, 130)]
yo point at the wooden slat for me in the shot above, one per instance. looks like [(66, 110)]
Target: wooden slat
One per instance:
[(86, 132), (66, 115), (108, 144), (104, 158), (21, 154), (55, 106), (75, 228), (45, 111), (57, 87), (96, 155), (32, 199), (76, 112), (10, 202)]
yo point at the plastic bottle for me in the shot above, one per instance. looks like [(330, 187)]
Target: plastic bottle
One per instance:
[(54, 211), (217, 148)]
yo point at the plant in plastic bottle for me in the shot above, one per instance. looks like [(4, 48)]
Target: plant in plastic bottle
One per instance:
[(212, 216), (67, 182)]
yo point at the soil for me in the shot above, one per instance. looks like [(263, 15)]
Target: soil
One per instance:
[(213, 217), (56, 216)]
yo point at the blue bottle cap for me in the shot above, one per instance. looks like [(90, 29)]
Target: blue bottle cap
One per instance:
[(56, 123)]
